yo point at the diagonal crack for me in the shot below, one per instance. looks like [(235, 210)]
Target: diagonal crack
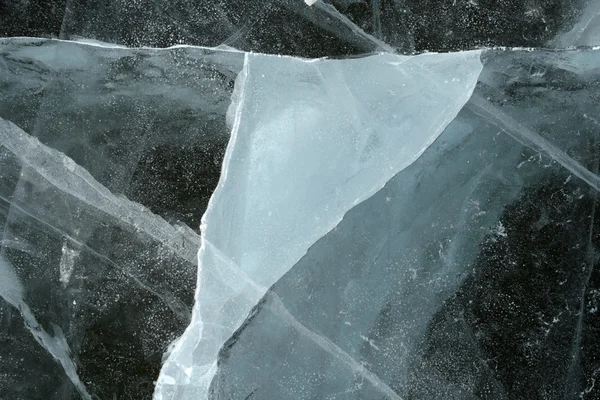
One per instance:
[(53, 165), (530, 138), (278, 307), (334, 13), (572, 380), (11, 291)]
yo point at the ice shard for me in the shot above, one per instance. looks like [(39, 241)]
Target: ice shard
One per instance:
[(65, 276), (310, 140)]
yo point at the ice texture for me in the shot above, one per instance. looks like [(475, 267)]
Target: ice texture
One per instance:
[(586, 31), (310, 140), (108, 157), (11, 290), (471, 274), (61, 267), (291, 27)]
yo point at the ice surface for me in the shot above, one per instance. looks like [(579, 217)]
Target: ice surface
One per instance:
[(547, 74), (532, 139), (586, 31), (56, 205), (310, 140), (11, 290), (291, 27), (470, 274), (132, 110), (115, 152), (456, 280), (62, 173)]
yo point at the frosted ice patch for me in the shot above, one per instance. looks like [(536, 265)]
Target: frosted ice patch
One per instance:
[(67, 263), (11, 288)]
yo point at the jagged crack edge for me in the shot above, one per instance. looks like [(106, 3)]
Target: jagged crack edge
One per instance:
[(228, 49)]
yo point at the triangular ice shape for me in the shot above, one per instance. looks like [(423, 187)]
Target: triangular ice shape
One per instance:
[(310, 140)]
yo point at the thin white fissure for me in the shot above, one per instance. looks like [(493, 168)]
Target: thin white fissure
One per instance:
[(531, 139), (278, 307)]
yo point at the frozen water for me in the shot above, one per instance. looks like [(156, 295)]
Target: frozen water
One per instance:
[(132, 111), (455, 280), (11, 290), (291, 27), (586, 31), (420, 264), (55, 206), (116, 151), (310, 140)]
